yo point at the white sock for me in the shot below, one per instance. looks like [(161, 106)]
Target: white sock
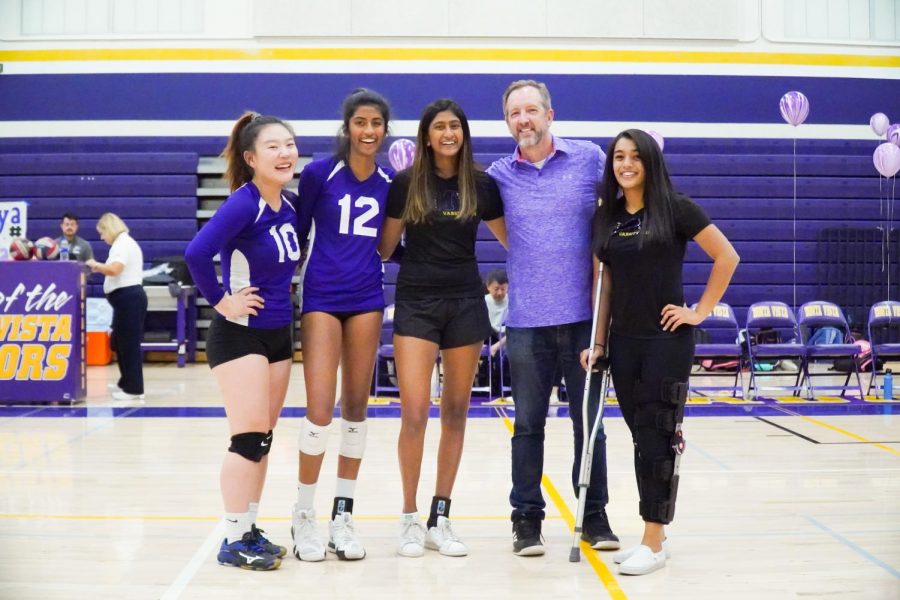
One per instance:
[(236, 525), (344, 488), (306, 495), (254, 512)]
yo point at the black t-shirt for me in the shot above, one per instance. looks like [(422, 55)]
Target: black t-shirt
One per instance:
[(645, 279), (439, 260)]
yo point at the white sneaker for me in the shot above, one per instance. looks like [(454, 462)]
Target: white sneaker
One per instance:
[(642, 561), (120, 395), (113, 387), (412, 536), (307, 545), (441, 538), (342, 538), (620, 557)]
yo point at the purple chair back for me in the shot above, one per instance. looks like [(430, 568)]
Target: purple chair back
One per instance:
[(822, 314)]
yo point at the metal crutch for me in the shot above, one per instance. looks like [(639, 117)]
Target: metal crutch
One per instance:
[(587, 447)]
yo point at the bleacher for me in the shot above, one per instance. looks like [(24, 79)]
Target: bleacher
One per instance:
[(165, 193)]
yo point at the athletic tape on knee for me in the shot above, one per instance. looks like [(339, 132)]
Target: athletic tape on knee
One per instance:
[(313, 438), (353, 438), (250, 445)]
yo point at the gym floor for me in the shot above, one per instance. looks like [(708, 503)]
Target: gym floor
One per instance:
[(779, 498)]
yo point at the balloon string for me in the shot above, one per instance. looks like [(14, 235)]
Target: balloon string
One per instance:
[(795, 223), (890, 232)]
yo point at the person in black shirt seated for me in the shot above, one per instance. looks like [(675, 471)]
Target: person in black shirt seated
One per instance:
[(641, 230), (439, 306)]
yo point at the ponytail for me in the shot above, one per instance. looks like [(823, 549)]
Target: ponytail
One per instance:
[(243, 137)]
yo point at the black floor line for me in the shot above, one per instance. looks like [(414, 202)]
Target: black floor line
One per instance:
[(787, 429)]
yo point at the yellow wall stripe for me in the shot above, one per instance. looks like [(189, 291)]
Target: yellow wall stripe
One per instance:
[(608, 579), (453, 54)]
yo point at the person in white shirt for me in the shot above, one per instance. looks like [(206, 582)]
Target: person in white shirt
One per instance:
[(497, 300), (123, 288)]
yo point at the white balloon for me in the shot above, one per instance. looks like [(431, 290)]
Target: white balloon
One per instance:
[(879, 123)]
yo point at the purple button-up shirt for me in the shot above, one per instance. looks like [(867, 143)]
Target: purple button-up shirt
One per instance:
[(548, 217)]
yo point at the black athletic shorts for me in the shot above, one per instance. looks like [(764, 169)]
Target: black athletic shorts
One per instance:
[(448, 322), (343, 315), (227, 341)]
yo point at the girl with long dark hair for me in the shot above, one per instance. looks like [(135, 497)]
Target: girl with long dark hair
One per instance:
[(440, 307), (641, 230), (342, 200)]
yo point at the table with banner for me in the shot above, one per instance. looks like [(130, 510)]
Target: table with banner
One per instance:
[(42, 329)]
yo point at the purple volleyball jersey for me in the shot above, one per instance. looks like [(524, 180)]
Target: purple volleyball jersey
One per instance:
[(258, 247), (344, 217)]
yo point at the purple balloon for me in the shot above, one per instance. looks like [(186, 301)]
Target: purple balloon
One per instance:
[(879, 123), (794, 108), (893, 134), (887, 159), (401, 154), (660, 141)]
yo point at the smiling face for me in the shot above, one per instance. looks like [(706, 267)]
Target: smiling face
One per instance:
[(366, 131), (627, 166), (527, 118), (445, 135), (274, 155)]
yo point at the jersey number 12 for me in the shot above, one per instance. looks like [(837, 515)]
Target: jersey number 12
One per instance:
[(359, 223)]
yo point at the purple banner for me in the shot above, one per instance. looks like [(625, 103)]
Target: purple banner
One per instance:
[(41, 332)]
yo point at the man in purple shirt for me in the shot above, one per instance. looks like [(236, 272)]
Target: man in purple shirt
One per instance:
[(549, 190)]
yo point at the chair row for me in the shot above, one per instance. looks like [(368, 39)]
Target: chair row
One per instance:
[(818, 332)]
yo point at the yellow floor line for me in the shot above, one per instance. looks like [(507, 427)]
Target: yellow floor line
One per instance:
[(849, 434), (606, 577), (22, 516)]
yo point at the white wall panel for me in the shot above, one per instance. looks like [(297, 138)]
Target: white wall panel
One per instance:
[(97, 16), (601, 18), (400, 18), (498, 18), (858, 20), (817, 19), (54, 17), (839, 19), (704, 19), (302, 18)]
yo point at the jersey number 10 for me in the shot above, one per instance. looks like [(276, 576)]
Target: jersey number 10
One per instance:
[(359, 223), (286, 239)]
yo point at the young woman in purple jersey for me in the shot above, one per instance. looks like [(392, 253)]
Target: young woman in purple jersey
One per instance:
[(249, 345), (342, 197), (440, 307)]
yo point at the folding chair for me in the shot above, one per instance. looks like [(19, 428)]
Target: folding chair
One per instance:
[(884, 335), (721, 329), (485, 362), (385, 367), (813, 315), (776, 319)]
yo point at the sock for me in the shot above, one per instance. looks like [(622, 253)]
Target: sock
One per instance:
[(306, 495), (236, 525), (254, 512), (440, 507), (343, 496)]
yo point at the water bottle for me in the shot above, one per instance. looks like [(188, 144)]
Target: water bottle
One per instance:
[(887, 385), (64, 250)]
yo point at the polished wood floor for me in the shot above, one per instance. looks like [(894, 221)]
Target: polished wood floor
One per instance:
[(122, 501)]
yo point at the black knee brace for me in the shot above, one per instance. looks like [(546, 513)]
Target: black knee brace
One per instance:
[(269, 437), (661, 409), (252, 446)]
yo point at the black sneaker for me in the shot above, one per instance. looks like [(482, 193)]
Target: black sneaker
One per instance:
[(527, 537), (597, 532), (265, 544), (247, 554)]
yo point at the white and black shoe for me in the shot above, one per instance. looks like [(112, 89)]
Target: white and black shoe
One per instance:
[(307, 544), (442, 538), (527, 537), (342, 538)]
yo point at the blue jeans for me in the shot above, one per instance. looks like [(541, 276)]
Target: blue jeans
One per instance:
[(535, 354)]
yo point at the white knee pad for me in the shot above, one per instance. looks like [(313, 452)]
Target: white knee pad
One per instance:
[(313, 438), (353, 438)]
